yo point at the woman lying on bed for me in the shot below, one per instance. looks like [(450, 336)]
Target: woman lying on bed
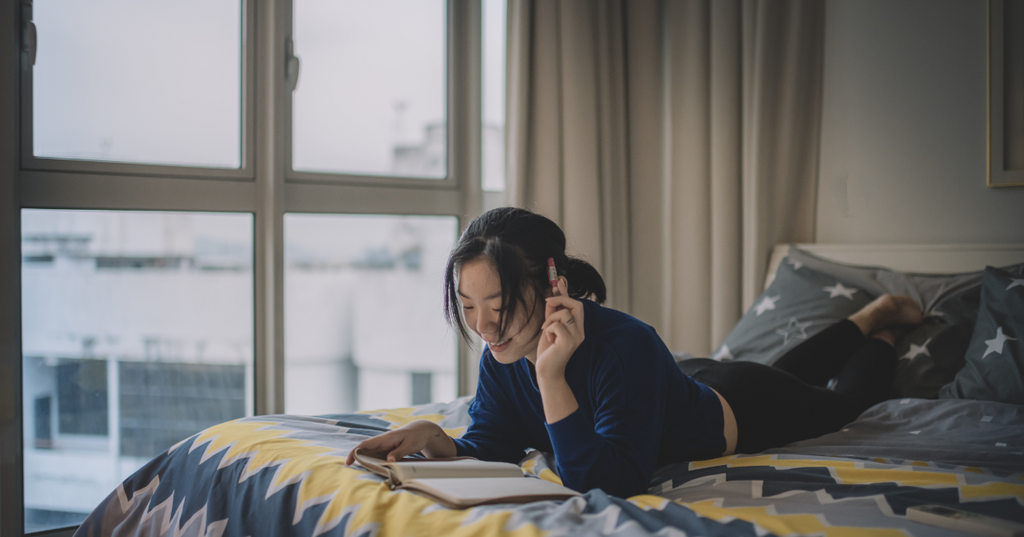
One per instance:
[(599, 388)]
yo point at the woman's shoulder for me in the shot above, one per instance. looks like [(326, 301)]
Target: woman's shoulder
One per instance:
[(621, 333), (627, 353), (612, 321)]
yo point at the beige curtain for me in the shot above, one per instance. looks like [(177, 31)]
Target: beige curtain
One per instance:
[(567, 127), (675, 142)]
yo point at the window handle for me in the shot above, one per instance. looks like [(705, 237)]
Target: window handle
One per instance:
[(28, 42), (291, 64)]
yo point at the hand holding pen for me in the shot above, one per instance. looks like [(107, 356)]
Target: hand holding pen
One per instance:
[(562, 331), (553, 280)]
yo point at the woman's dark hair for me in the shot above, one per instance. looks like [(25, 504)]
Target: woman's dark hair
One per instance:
[(518, 243)]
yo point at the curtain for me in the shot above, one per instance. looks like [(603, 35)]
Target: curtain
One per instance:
[(567, 127), (675, 142)]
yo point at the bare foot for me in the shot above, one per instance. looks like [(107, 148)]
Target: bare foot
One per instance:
[(887, 311)]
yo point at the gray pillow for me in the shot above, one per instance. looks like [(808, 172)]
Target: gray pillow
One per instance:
[(995, 356), (933, 353), (927, 289), (800, 303)]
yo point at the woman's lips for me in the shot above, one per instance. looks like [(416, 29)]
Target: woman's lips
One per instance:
[(496, 347)]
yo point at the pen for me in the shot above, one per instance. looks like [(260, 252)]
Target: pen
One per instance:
[(553, 276), (553, 280)]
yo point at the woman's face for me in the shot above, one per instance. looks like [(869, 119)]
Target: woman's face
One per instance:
[(480, 291)]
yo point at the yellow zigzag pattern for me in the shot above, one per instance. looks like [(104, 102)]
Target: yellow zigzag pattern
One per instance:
[(546, 474), (853, 473), (765, 518), (324, 478), (785, 524), (400, 416), (404, 513)]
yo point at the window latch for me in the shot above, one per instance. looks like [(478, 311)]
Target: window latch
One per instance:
[(28, 37), (291, 64)]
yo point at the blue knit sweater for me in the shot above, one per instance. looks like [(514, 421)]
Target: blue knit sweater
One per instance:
[(637, 410)]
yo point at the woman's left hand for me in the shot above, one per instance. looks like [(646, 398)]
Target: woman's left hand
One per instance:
[(561, 333)]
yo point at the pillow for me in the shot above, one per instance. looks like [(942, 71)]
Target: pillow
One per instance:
[(799, 303), (995, 356), (927, 289), (933, 353)]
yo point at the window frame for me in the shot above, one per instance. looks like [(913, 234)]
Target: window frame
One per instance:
[(463, 65), (246, 135), (264, 185)]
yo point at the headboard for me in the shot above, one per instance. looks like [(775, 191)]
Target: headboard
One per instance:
[(918, 258)]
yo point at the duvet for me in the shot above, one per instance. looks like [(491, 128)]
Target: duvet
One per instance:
[(285, 475)]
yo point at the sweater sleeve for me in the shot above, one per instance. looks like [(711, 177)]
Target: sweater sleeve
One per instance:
[(616, 449), (494, 434)]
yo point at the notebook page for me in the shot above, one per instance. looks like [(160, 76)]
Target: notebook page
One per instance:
[(497, 487)]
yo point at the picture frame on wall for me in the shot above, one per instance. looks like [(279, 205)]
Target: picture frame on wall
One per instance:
[(1005, 93)]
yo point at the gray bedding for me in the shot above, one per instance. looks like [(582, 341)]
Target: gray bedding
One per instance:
[(956, 432), (285, 475)]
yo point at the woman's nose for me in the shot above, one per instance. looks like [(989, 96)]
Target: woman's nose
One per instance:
[(487, 322)]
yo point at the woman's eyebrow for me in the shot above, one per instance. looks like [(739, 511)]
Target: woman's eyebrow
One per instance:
[(492, 297)]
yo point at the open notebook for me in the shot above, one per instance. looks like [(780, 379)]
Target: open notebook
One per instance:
[(463, 481)]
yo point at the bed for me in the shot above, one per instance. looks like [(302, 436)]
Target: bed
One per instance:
[(953, 434)]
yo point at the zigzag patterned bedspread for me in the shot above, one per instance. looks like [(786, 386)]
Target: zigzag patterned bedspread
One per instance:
[(285, 475)]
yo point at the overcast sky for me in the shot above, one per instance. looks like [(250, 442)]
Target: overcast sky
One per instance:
[(153, 82)]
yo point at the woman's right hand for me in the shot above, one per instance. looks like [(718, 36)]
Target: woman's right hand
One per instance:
[(413, 437)]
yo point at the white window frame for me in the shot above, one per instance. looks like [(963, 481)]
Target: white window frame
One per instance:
[(264, 185)]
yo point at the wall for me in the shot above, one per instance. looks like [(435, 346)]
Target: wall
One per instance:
[(903, 153)]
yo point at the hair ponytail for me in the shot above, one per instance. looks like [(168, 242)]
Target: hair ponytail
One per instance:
[(584, 280)]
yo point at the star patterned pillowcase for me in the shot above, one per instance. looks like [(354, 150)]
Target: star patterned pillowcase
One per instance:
[(931, 354), (995, 357), (798, 304)]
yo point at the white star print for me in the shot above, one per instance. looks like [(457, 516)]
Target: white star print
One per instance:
[(915, 350), (796, 264), (767, 304), (794, 330), (840, 290), (1014, 282), (996, 345), (723, 354)]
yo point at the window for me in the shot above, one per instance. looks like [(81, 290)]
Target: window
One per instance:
[(187, 194), (174, 96), (364, 326), (162, 403), (372, 95), (493, 126), (82, 396), (138, 325)]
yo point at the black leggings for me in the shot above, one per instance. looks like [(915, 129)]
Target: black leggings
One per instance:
[(787, 402)]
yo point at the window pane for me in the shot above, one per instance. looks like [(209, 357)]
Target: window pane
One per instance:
[(142, 82), (371, 94), (137, 333), (493, 130), (363, 319)]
